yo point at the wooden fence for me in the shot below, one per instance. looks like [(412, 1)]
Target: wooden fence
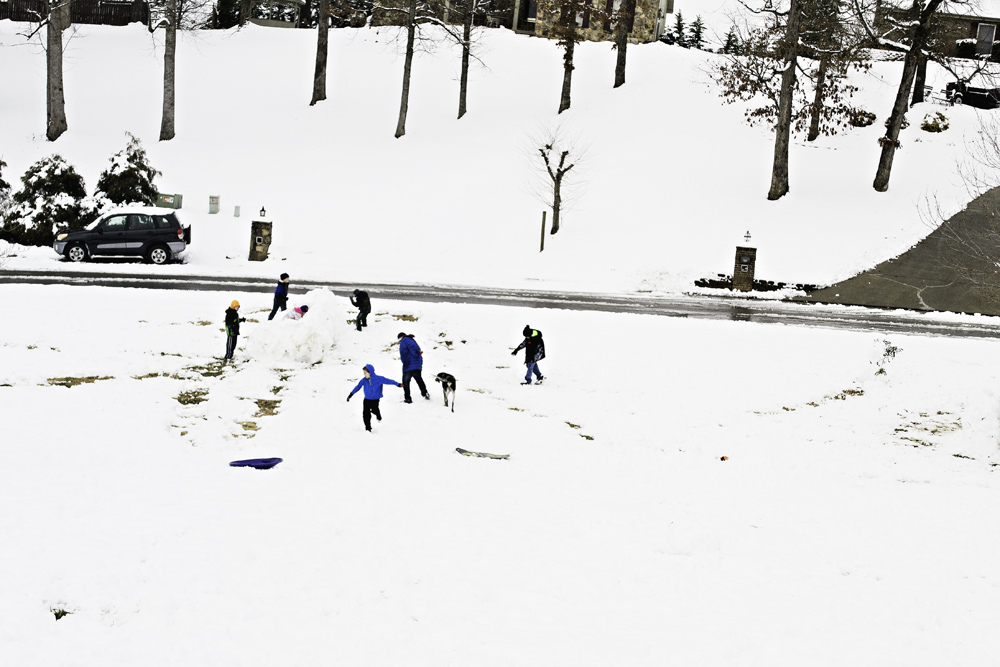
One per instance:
[(99, 12)]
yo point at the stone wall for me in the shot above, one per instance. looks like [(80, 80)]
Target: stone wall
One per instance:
[(643, 29)]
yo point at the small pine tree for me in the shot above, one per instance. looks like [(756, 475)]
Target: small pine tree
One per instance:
[(52, 199), (680, 30), (696, 33), (732, 44), (4, 185), (129, 180)]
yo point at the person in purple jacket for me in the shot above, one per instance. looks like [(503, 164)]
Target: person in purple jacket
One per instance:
[(372, 384), (280, 296), (413, 363)]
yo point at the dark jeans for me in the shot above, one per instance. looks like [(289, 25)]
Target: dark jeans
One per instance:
[(279, 302), (362, 319), (230, 346), (370, 408), (415, 374), (532, 368)]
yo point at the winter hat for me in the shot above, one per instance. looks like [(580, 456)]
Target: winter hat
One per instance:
[(284, 276), (234, 304), (356, 292), (400, 336), (527, 331), (304, 309)]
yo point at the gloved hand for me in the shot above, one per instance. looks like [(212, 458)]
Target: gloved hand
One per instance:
[(349, 396), (243, 319), (514, 353)]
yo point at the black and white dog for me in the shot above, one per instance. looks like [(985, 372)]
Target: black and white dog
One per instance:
[(449, 385)]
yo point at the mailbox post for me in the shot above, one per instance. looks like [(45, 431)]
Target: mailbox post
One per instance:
[(260, 240), (746, 260), (213, 204)]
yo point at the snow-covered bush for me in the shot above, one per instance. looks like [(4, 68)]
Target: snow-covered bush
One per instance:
[(52, 199), (305, 341), (935, 122), (860, 118), (5, 202), (129, 180)]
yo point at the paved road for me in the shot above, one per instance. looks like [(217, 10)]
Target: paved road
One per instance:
[(697, 307)]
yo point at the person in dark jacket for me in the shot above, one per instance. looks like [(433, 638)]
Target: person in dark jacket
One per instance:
[(413, 362), (372, 384), (233, 320), (534, 351), (280, 296), (361, 301)]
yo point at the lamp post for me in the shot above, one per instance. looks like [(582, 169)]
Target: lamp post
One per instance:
[(263, 212)]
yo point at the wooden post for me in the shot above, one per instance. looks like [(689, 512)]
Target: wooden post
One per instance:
[(543, 231)]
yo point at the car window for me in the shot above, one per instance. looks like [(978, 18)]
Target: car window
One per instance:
[(139, 222), (115, 223), (162, 222)]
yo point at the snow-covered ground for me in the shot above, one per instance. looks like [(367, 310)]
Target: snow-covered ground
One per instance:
[(679, 491), (672, 180), (850, 522)]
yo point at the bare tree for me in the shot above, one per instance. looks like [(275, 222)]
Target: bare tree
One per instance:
[(173, 15), (623, 18), (558, 156), (169, 72), (805, 40), (322, 49), (566, 31), (890, 142), (55, 99), (419, 13)]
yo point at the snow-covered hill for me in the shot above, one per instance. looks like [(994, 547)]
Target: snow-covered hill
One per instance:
[(672, 179)]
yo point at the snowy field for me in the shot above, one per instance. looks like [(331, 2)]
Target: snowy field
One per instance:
[(850, 523), (671, 182)]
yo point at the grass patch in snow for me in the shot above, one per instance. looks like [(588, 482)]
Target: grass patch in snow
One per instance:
[(59, 612), (267, 407), (210, 370), (405, 318), (193, 397), (72, 382)]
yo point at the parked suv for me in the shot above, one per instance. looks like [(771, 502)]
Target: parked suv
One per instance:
[(958, 92), (142, 231)]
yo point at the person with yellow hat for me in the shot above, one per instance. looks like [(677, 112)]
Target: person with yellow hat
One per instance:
[(233, 320)]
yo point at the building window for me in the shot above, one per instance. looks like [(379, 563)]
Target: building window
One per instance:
[(985, 34)]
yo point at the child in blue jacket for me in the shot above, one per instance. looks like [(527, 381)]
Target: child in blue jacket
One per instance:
[(280, 296), (372, 384)]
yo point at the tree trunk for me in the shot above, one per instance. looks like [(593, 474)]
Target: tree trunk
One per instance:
[(783, 127), (817, 106), (246, 9), (463, 86), (169, 55), (621, 45), (920, 80), (55, 99), (322, 42), (556, 203), (564, 99), (411, 33), (891, 139)]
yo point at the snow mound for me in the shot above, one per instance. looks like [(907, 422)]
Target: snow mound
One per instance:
[(305, 341)]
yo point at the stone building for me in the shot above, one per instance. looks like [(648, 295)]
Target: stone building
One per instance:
[(537, 17), (960, 35)]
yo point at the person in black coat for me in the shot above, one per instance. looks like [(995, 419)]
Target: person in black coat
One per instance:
[(534, 351), (361, 301), (233, 320), (280, 296)]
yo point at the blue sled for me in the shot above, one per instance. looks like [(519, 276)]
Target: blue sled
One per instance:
[(259, 464)]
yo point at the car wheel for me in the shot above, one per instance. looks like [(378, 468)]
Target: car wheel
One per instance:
[(158, 255), (76, 253), (957, 99)]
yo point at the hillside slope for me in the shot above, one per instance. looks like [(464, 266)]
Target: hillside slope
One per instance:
[(672, 179)]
